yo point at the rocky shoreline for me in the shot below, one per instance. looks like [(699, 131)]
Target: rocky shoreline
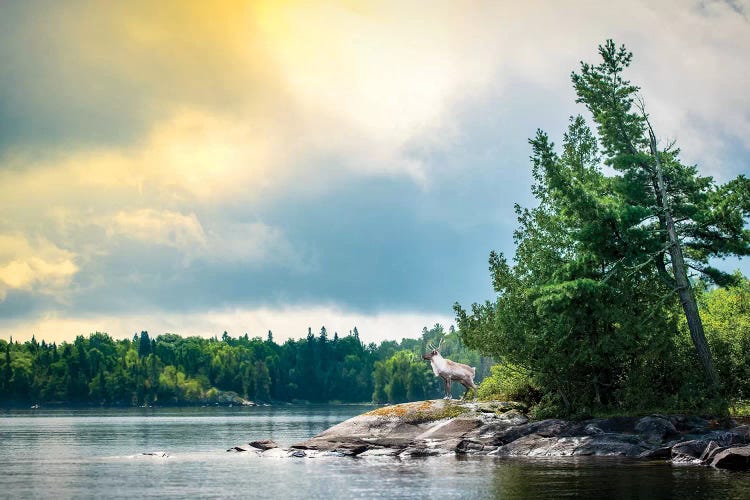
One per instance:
[(502, 429)]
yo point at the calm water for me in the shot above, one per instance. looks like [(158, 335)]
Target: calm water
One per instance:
[(97, 453)]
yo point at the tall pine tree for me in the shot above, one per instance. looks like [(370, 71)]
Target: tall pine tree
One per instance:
[(602, 258)]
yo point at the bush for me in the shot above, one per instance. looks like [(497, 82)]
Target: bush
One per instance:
[(509, 383), (726, 318)]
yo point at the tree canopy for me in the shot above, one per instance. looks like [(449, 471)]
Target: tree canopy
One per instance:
[(605, 263)]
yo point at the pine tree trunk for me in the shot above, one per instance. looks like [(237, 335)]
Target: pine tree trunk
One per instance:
[(684, 288), (689, 305)]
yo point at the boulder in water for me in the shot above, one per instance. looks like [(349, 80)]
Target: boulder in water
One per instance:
[(735, 458), (265, 444)]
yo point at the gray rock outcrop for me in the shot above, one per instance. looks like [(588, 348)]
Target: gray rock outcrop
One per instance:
[(501, 429)]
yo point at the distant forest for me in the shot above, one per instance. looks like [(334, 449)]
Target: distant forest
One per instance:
[(170, 369)]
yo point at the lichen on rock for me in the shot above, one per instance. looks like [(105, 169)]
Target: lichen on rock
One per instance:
[(422, 411)]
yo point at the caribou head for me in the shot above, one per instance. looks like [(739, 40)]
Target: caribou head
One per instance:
[(434, 351)]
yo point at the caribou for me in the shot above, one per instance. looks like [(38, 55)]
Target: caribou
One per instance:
[(450, 370)]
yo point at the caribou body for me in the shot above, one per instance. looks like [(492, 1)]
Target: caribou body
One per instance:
[(450, 370)]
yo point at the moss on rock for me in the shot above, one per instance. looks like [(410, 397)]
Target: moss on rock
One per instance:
[(422, 411)]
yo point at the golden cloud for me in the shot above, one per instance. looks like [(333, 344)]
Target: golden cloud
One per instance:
[(36, 266)]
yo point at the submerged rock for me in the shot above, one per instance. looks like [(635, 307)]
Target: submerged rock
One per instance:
[(238, 448), (265, 444)]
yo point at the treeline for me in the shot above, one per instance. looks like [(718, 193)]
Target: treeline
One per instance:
[(170, 369)]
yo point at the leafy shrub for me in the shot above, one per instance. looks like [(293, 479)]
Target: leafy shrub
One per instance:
[(509, 383)]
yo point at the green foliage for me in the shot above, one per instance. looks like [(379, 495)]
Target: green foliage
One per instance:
[(726, 316), (509, 383), (740, 408), (144, 345), (588, 309), (402, 377), (170, 369), (175, 386)]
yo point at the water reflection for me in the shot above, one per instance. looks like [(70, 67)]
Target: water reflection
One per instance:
[(97, 453), (612, 479)]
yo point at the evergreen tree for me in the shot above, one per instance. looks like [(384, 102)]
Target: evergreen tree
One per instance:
[(144, 345), (262, 381), (601, 263), (669, 216)]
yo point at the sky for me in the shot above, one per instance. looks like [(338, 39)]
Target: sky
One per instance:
[(199, 167)]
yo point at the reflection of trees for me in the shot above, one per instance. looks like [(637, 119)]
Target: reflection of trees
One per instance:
[(604, 478)]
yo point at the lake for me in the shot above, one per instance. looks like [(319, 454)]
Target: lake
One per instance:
[(83, 453)]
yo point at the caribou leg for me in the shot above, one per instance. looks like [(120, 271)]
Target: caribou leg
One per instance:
[(447, 387), (468, 388)]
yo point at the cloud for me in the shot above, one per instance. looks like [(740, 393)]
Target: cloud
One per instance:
[(254, 243), (248, 154), (232, 242), (193, 156), (307, 79), (285, 323), (255, 93), (37, 266), (159, 228)]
